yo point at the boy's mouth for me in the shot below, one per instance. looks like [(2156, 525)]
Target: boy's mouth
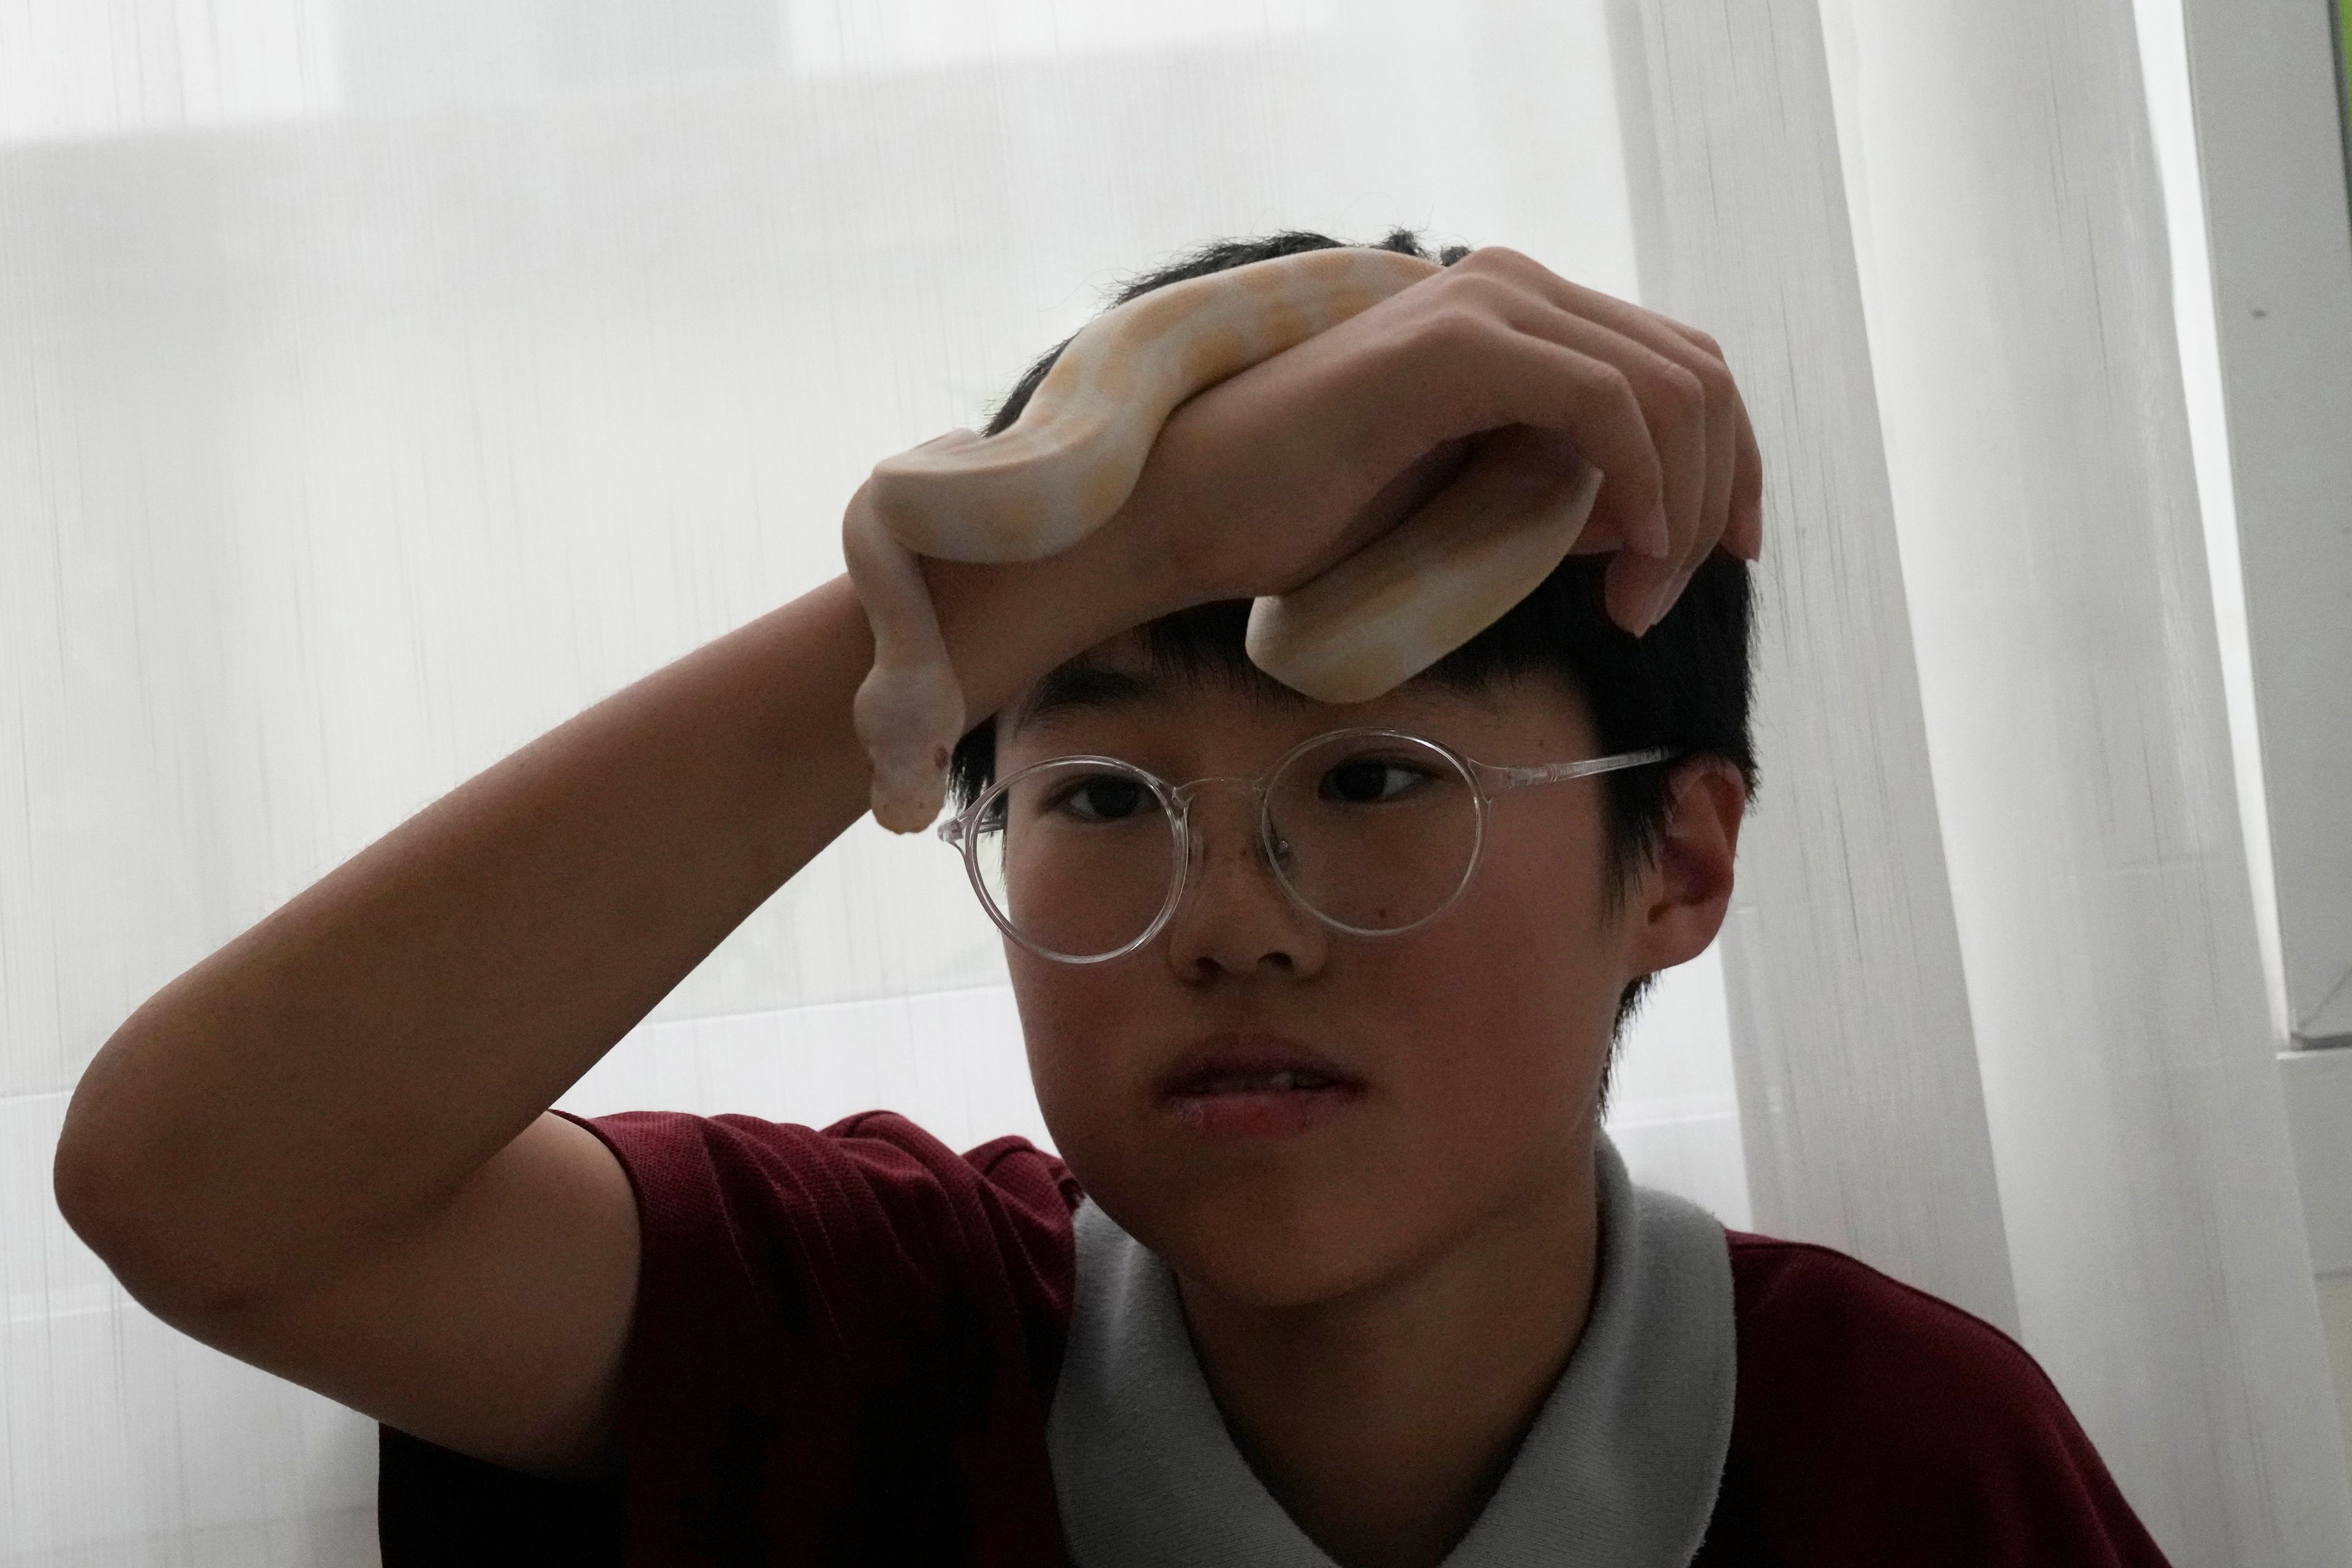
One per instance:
[(1252, 1083), (1242, 1085), (1235, 1063)]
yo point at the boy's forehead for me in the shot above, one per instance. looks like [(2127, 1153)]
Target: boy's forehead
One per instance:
[(1121, 673)]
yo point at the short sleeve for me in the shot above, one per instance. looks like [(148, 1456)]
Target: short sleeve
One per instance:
[(1877, 1423), (844, 1346), (845, 1341)]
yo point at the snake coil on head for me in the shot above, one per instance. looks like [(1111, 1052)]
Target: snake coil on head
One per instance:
[(1365, 626)]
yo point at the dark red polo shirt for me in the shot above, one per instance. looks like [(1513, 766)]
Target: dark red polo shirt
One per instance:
[(847, 1340)]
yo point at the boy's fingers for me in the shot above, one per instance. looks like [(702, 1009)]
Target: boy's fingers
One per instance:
[(1630, 594), (1728, 508), (1726, 418), (1672, 400), (1745, 538), (1743, 535), (1673, 406), (1650, 402), (1502, 376), (1524, 378), (1722, 465)]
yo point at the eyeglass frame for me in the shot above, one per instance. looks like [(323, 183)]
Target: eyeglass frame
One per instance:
[(1488, 780)]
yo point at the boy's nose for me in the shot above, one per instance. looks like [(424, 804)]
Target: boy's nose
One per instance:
[(1235, 916)]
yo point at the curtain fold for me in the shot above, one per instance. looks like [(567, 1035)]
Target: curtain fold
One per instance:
[(2022, 329), (1859, 1102), (2021, 340)]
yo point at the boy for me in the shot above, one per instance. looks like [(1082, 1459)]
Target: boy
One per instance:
[(1339, 1267)]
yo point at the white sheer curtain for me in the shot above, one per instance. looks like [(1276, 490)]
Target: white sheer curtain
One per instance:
[(2022, 319), (384, 381), (2102, 1094)]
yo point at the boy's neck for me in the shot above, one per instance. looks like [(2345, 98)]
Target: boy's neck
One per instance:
[(1382, 1424)]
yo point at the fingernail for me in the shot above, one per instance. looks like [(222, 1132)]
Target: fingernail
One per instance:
[(1667, 594), (1657, 539), (1751, 532), (1638, 621)]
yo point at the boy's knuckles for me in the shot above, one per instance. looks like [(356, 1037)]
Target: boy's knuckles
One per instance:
[(1491, 259), (1608, 392), (1484, 293), (1702, 341), (1722, 387), (1443, 343), (1674, 398)]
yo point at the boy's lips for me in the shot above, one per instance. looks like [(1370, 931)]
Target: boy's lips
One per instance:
[(1240, 1062)]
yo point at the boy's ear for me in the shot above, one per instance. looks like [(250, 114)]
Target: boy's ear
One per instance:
[(1679, 904)]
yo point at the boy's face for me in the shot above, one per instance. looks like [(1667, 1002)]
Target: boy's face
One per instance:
[(1479, 1040)]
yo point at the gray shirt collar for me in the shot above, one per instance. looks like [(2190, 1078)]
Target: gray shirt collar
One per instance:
[(1620, 1466)]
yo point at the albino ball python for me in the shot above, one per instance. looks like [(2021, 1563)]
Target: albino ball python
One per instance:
[(1367, 625)]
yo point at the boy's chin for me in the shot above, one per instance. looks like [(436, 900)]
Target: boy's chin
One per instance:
[(1276, 1288), (1279, 1257)]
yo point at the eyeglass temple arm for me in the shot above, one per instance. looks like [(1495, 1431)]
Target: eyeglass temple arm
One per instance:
[(1555, 772)]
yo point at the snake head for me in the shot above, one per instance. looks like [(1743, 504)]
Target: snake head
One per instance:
[(909, 717), (906, 797)]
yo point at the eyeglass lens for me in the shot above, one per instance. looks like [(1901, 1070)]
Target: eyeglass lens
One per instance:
[(1375, 833)]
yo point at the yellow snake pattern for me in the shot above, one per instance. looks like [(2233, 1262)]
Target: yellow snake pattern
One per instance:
[(1364, 627)]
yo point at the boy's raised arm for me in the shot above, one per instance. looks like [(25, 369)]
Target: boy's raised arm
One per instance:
[(324, 1149)]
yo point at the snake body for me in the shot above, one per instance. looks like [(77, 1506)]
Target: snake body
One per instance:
[(1365, 626)]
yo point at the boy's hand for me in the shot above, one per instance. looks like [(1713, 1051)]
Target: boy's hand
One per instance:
[(1269, 477)]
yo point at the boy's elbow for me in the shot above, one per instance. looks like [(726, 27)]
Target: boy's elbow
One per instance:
[(88, 1175), (98, 1192), (120, 1204)]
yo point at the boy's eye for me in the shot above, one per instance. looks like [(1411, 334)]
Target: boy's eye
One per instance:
[(1101, 797), (1362, 781)]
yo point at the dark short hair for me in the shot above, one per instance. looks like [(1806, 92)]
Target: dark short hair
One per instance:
[(1686, 684)]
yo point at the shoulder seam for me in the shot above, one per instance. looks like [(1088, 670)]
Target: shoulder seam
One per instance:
[(1743, 1241)]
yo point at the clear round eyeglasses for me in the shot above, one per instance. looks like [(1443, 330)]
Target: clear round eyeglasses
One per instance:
[(1373, 832)]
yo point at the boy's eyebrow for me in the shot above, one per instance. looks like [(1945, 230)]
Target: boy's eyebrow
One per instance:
[(1083, 686), (1080, 686)]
